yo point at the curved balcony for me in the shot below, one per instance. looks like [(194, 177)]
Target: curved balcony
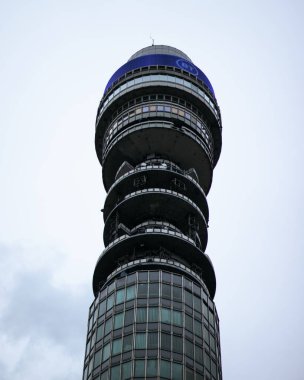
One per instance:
[(170, 85), (180, 245), (161, 111), (164, 139), (157, 204), (156, 176)]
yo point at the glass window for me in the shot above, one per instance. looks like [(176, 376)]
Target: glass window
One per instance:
[(177, 318), (117, 346), (140, 341), (177, 293), (165, 342), (106, 352), (207, 360), (212, 343), (104, 375), (174, 110), (130, 292), (129, 317), (160, 108), (146, 109), (141, 315), (142, 290), (166, 277), (97, 358), (120, 296), (126, 371), (165, 370), (177, 280), (181, 113), (102, 307), (197, 327), (139, 368), (110, 302), (197, 304), (153, 314), (154, 290), (188, 323), (118, 321), (166, 315), (115, 372), (166, 290), (177, 344), (189, 374), (151, 368), (152, 108), (138, 110), (167, 109), (188, 298), (127, 343), (177, 371), (189, 349), (152, 340), (99, 332), (108, 326), (154, 276), (213, 368), (198, 354)]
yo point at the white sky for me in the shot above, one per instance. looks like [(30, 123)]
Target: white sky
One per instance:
[(56, 58)]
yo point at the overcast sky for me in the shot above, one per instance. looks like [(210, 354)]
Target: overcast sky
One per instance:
[(56, 58)]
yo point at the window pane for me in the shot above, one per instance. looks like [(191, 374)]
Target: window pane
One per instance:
[(99, 332), (126, 371), (120, 295), (197, 328), (188, 322), (115, 373), (177, 373), (118, 321), (127, 343), (188, 298), (154, 276), (189, 348), (97, 358), (197, 304), (104, 375), (141, 315), (142, 290), (153, 314), (129, 317), (102, 307), (139, 368), (110, 302), (166, 290), (152, 340), (177, 344), (130, 292), (154, 290), (140, 341), (189, 374), (108, 326), (198, 355), (166, 342), (166, 315), (177, 318), (152, 368), (177, 293), (165, 369), (106, 352), (116, 346)]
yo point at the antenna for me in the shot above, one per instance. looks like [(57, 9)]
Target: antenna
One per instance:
[(152, 40)]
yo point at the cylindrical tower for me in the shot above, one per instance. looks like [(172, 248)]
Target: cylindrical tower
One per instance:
[(158, 138)]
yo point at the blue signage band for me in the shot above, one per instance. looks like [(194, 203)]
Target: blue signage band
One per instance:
[(160, 59)]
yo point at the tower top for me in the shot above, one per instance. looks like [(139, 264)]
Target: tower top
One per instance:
[(160, 49)]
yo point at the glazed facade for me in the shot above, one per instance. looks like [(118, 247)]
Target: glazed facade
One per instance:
[(158, 138)]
